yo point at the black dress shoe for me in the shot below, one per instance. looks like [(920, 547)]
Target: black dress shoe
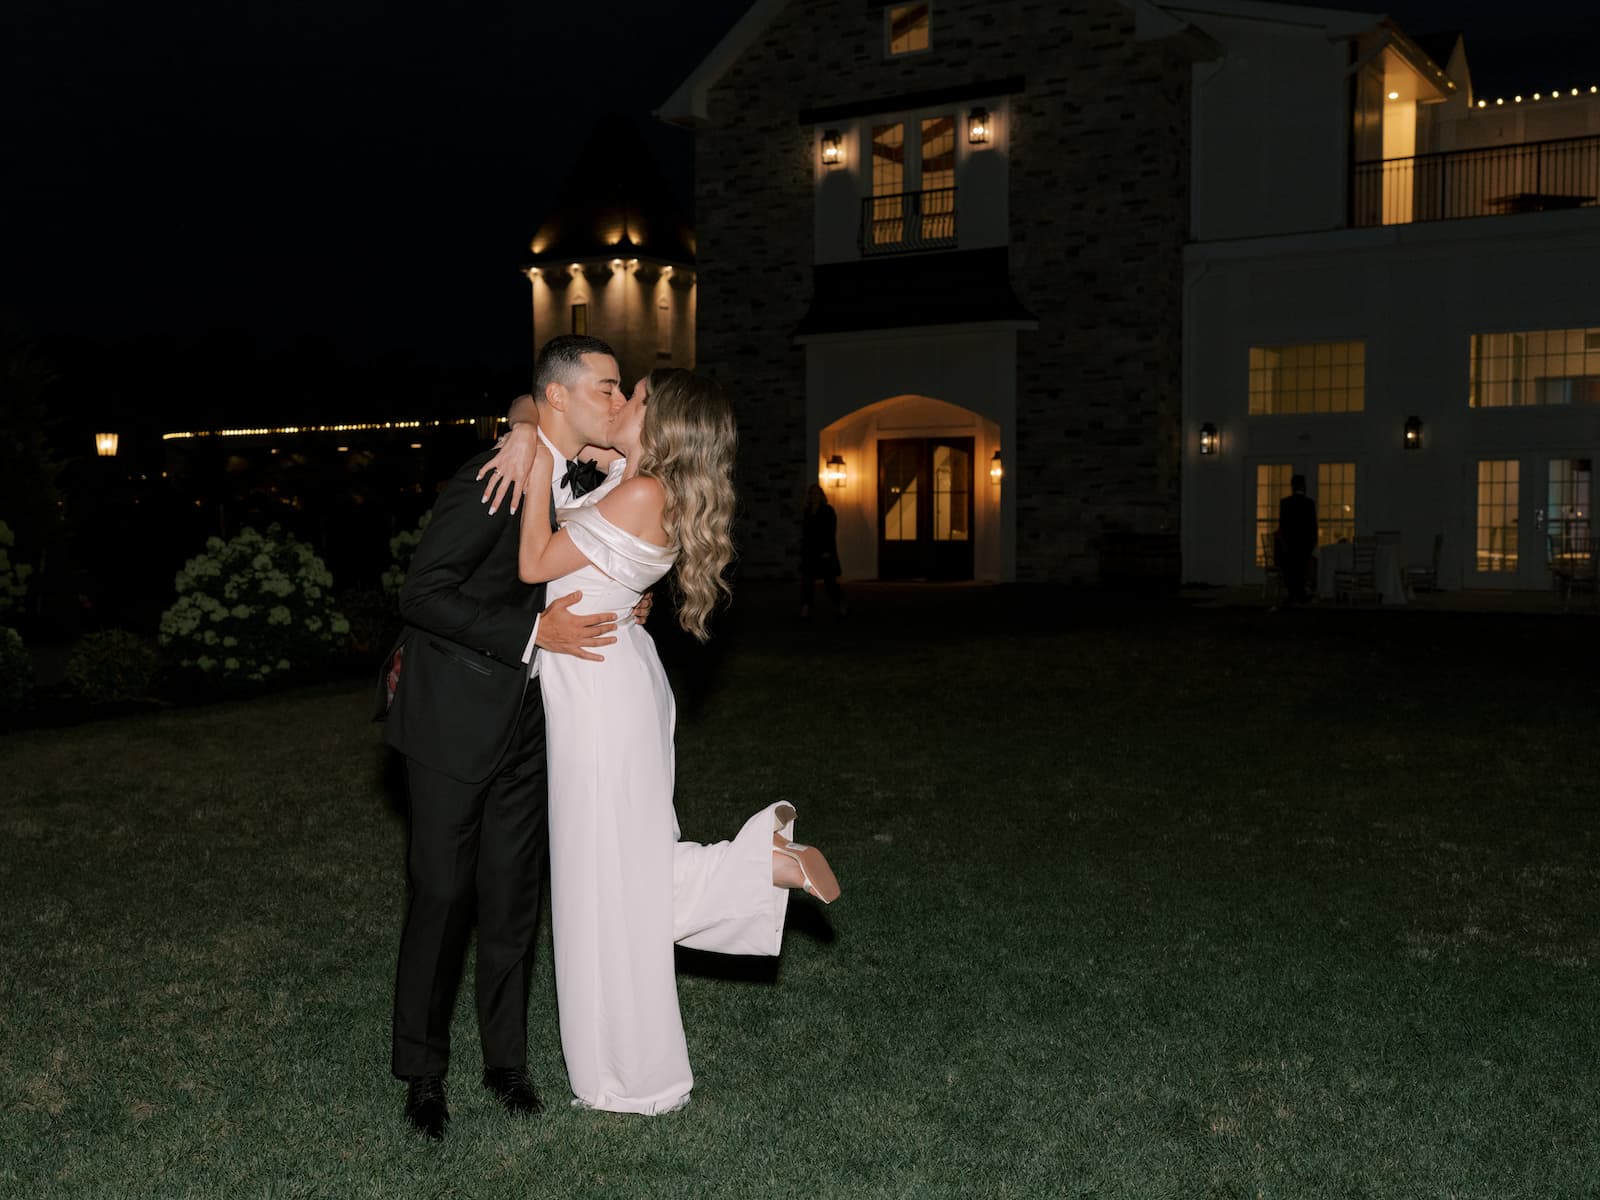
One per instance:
[(512, 1087), (425, 1106)]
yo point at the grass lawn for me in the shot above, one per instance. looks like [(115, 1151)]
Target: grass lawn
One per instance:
[(1138, 903)]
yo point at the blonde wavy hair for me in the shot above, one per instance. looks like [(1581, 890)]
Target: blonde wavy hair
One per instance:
[(687, 443)]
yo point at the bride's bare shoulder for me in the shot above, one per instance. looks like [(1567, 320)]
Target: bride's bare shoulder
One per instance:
[(636, 505)]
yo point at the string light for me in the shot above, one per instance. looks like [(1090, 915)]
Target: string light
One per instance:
[(347, 428), (1555, 94)]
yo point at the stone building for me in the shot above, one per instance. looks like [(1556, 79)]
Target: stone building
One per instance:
[(940, 263)]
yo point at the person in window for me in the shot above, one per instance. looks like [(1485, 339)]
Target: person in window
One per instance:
[(819, 551), (1296, 540)]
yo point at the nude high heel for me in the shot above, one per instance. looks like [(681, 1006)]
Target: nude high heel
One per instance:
[(814, 868)]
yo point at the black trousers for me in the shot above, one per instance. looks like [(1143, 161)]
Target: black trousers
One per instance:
[(830, 584), (473, 849)]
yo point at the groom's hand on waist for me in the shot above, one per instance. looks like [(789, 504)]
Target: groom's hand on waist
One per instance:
[(562, 631)]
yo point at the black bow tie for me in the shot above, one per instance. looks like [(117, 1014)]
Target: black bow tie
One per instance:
[(582, 477)]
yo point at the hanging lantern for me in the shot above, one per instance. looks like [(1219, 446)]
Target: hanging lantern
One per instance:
[(997, 468), (1210, 439), (1413, 434), (833, 473), (832, 149), (978, 126)]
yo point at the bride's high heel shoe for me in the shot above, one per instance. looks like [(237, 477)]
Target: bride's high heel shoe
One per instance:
[(814, 868)]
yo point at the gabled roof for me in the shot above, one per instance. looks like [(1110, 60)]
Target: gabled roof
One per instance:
[(687, 105), (614, 204)]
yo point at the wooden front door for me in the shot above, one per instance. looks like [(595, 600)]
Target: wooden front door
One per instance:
[(925, 488)]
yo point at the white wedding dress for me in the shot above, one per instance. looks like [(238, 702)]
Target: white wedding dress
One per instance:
[(623, 888)]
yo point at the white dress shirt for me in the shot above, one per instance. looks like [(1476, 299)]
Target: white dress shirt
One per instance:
[(564, 498)]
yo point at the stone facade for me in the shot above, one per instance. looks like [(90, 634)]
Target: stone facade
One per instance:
[(1098, 178)]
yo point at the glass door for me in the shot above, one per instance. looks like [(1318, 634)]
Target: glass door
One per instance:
[(925, 493), (1532, 517)]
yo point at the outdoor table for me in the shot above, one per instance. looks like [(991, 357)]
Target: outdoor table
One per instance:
[(1341, 556)]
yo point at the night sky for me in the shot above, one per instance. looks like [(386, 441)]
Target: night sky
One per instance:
[(369, 174)]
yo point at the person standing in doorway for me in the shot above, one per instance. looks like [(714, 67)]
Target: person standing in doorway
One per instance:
[(1296, 540), (819, 551)]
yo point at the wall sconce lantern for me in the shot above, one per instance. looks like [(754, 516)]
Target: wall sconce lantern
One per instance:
[(833, 473), (105, 445), (978, 126), (1413, 433), (997, 469), (1210, 439), (832, 149)]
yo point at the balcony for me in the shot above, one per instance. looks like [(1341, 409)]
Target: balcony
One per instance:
[(906, 222), (1528, 177)]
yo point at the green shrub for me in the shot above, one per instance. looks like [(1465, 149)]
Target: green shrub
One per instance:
[(401, 547), (13, 576), (16, 673), (253, 608), (113, 667)]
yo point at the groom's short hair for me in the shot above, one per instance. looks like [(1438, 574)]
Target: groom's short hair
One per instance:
[(562, 357)]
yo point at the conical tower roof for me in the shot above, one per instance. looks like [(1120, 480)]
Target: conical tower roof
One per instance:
[(615, 204)]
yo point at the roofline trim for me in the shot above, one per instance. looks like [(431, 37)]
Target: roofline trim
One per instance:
[(687, 104)]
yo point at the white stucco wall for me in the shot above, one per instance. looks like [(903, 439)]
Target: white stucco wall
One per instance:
[(1415, 294), (1270, 130)]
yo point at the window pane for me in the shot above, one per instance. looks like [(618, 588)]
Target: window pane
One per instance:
[(1535, 367), (1272, 485), (1568, 494), (1497, 515), (952, 485), (1312, 377), (888, 184), (1336, 502), (938, 178), (908, 28)]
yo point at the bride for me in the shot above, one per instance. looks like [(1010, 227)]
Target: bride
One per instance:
[(623, 888)]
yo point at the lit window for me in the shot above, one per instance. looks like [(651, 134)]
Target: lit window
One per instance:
[(580, 318), (1536, 367), (913, 186), (1569, 498), (1272, 485), (1336, 503), (1313, 377), (906, 28), (1497, 516)]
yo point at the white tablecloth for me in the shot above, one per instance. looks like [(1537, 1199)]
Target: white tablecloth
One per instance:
[(1341, 556)]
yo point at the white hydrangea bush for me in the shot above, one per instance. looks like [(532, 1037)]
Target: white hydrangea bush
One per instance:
[(401, 547), (253, 608), (13, 576)]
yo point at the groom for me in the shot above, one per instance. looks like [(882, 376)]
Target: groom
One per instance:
[(463, 710)]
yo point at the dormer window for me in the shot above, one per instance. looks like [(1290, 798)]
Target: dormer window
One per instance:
[(905, 28)]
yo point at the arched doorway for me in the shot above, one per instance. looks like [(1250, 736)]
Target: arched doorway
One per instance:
[(910, 481)]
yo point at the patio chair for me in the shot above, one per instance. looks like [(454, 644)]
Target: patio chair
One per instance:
[(1359, 584), (1271, 579), (1424, 577), (1574, 574)]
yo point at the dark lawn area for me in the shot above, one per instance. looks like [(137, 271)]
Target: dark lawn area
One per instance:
[(1139, 902)]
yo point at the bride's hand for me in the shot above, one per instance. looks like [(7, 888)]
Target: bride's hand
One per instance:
[(510, 466)]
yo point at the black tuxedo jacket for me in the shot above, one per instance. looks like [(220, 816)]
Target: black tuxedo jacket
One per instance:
[(468, 619)]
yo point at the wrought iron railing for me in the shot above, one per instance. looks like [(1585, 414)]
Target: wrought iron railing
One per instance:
[(1527, 177), (909, 221)]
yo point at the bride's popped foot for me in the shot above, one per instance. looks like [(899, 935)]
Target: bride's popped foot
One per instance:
[(795, 865)]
